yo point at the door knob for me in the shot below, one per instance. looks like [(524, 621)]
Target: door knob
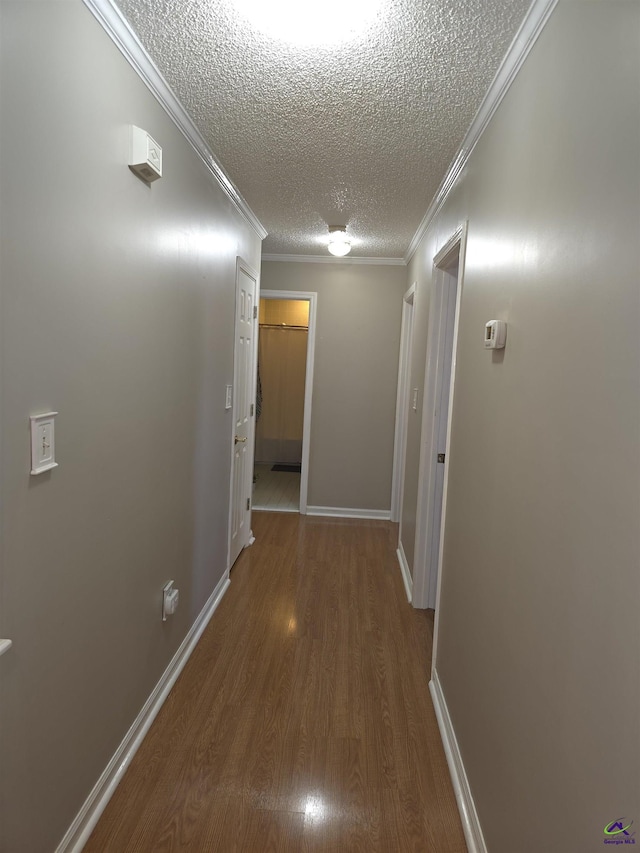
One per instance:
[(239, 440)]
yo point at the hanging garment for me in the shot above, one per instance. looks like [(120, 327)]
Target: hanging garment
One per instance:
[(258, 393)]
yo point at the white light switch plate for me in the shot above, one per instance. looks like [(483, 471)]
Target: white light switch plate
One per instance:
[(228, 402), (43, 451)]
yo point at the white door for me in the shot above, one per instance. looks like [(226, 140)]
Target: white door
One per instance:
[(448, 285), (243, 410), (448, 270), (407, 399), (402, 405)]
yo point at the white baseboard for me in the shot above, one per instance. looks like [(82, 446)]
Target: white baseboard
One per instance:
[(345, 512), (86, 819), (406, 574), (468, 815)]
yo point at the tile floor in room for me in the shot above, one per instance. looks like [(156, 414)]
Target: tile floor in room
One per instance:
[(278, 491)]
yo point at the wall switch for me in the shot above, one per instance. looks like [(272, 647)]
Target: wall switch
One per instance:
[(414, 403), (170, 599), (43, 453), (228, 400)]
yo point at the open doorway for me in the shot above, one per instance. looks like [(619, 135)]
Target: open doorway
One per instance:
[(448, 271), (283, 401)]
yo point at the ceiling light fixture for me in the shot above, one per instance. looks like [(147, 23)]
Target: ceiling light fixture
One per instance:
[(327, 23), (339, 243)]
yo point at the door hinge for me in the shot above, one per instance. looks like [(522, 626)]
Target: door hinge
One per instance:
[(248, 503), (255, 312), (251, 410), (440, 457)]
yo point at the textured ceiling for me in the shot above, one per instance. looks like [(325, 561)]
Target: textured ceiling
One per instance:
[(360, 133)]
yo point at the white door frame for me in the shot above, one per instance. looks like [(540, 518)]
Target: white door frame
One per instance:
[(243, 266), (311, 298), (441, 359), (402, 403)]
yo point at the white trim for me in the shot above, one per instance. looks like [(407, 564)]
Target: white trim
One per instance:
[(312, 298), (402, 403), (525, 38), (426, 564), (464, 799), (330, 259), (406, 574), (118, 29), (84, 823), (344, 512)]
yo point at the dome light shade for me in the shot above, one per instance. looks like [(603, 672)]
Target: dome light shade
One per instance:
[(339, 243), (323, 24)]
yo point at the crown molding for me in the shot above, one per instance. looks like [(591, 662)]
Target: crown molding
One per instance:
[(118, 29), (327, 259), (525, 38)]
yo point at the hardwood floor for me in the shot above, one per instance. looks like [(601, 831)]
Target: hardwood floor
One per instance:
[(302, 721)]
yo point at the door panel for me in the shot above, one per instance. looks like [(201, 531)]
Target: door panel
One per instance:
[(243, 411)]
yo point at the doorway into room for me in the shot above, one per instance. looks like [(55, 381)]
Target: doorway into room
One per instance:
[(448, 272), (283, 401)]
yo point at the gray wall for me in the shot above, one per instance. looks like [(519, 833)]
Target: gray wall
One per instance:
[(355, 377), (538, 636), (117, 312)]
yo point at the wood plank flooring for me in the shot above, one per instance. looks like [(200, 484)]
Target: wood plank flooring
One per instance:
[(302, 721)]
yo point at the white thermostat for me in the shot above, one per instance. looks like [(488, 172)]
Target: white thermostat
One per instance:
[(495, 334), (145, 155)]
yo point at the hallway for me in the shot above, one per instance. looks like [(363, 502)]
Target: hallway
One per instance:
[(303, 720)]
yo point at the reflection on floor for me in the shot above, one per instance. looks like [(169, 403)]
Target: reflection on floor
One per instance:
[(302, 722), (278, 491)]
